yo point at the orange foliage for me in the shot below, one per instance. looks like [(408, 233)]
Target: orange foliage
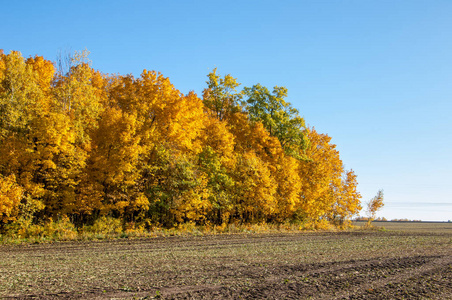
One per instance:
[(89, 145)]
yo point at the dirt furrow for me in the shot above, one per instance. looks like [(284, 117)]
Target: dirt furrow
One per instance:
[(346, 265)]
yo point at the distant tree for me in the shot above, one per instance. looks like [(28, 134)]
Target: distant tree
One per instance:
[(374, 205)]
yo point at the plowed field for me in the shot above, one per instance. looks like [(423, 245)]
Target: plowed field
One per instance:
[(409, 264)]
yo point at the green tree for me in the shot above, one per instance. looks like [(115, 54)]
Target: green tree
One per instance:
[(277, 116), (221, 96)]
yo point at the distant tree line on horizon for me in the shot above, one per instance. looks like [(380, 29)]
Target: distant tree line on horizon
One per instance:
[(80, 144)]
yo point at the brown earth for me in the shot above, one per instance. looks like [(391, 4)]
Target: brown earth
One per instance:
[(326, 265)]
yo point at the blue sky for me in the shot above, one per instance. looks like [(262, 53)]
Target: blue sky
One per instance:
[(374, 75)]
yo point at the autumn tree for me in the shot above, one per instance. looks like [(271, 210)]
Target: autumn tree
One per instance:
[(77, 97), (320, 176), (254, 189), (289, 184), (17, 92), (348, 199), (24, 101), (374, 205), (113, 165), (81, 145), (73, 116)]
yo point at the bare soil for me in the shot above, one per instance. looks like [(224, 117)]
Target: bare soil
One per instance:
[(410, 264)]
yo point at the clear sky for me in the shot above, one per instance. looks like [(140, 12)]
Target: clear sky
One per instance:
[(374, 75)]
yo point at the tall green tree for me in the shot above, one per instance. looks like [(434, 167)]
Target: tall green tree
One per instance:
[(221, 97), (277, 115)]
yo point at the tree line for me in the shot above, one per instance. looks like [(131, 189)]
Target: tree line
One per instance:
[(78, 143)]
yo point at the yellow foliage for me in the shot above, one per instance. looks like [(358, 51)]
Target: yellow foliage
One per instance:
[(86, 145), (254, 187), (253, 136), (217, 136), (10, 196), (20, 93), (289, 186), (320, 175), (141, 203), (106, 225), (348, 198), (44, 71), (193, 205), (58, 161), (375, 204), (76, 96)]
